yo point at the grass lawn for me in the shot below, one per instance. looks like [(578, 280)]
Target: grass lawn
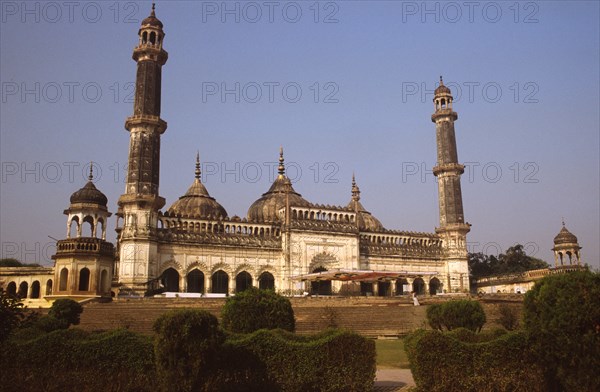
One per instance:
[(391, 354)]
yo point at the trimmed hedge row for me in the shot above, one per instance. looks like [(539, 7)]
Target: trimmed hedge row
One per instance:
[(464, 361), (276, 360), (456, 314), (74, 360)]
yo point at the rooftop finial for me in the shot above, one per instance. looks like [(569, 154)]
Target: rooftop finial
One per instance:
[(355, 189), (441, 81), (153, 7), (197, 172), (281, 168), (91, 176), (563, 221)]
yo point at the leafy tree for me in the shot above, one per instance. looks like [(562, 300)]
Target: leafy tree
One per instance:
[(187, 343), (562, 316), (10, 262), (255, 309), (456, 314), (66, 310), (12, 313), (515, 260)]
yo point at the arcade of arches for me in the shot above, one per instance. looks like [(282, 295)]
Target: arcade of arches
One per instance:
[(220, 282)]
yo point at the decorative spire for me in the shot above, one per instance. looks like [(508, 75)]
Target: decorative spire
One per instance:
[(197, 171), (153, 13), (563, 221), (441, 81), (281, 168), (91, 176), (355, 189)]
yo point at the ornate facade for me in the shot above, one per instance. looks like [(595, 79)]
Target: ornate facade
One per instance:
[(194, 246)]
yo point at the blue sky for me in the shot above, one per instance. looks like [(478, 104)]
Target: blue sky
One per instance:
[(343, 86)]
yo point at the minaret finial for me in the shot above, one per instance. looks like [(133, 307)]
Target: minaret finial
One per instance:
[(198, 172), (281, 168), (441, 81), (91, 176), (355, 189), (563, 221), (153, 7)]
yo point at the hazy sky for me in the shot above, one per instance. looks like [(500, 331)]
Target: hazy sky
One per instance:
[(343, 86)]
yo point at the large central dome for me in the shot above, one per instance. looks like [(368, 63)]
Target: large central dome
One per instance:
[(267, 207), (197, 203)]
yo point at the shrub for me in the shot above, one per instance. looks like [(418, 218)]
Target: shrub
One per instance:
[(66, 310), (12, 313), (74, 360), (562, 316), (336, 360), (472, 362), (255, 309), (187, 342), (509, 317), (456, 314)]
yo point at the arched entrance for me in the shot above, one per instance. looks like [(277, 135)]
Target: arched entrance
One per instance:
[(195, 281), (366, 288), (418, 286), (84, 279), (400, 283), (434, 286), (23, 288), (320, 287), (170, 280), (35, 290), (49, 287), (266, 281), (11, 289), (243, 281), (383, 289), (220, 282), (64, 278)]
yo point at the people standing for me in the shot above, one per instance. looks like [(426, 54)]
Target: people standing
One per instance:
[(415, 300)]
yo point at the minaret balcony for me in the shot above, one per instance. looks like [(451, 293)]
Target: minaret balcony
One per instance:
[(444, 113), (145, 119), (84, 246), (451, 168)]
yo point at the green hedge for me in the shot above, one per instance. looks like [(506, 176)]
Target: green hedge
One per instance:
[(74, 360), (276, 360), (456, 314), (461, 361)]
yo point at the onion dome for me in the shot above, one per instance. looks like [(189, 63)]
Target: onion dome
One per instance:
[(89, 194), (564, 236), (366, 221), (152, 20), (267, 207), (197, 203), (442, 89)]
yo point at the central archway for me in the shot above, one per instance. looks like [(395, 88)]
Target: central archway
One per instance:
[(243, 281), (320, 287), (170, 280), (195, 281), (419, 286), (220, 282)]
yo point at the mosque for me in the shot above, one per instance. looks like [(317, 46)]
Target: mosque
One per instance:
[(194, 248)]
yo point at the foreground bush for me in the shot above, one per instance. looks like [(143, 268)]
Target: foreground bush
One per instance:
[(74, 360), (255, 309), (66, 310), (464, 361), (187, 341), (562, 316), (276, 360), (456, 314)]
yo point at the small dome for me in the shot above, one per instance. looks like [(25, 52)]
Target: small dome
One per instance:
[(366, 221), (565, 237), (197, 203), (442, 89), (266, 208), (89, 194), (152, 20)]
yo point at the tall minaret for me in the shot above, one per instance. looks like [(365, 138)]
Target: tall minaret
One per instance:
[(453, 229), (139, 205)]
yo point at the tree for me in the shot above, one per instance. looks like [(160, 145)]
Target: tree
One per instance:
[(255, 309), (66, 310), (562, 316), (515, 260), (11, 262), (456, 314), (12, 313), (186, 344)]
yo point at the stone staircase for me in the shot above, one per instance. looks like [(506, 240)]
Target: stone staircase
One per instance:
[(371, 317)]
